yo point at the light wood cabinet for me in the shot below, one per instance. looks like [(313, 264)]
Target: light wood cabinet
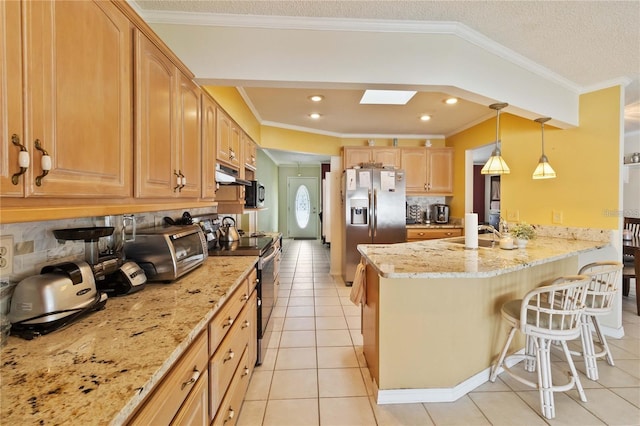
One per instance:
[(228, 140), (168, 126), (195, 410), (428, 171), (419, 234), (209, 147), (77, 99), (355, 156), (250, 152)]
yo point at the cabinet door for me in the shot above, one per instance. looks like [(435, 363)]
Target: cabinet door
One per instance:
[(223, 136), (195, 410), (208, 148), (386, 156), (188, 143), (414, 163), (355, 156), (440, 170), (155, 118), (249, 156), (78, 98), (235, 146), (11, 121)]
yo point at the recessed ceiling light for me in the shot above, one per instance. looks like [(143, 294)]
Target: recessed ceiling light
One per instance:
[(316, 98), (314, 115), (425, 117), (451, 101), (387, 97)]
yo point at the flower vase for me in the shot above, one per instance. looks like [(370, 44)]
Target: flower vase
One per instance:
[(522, 243)]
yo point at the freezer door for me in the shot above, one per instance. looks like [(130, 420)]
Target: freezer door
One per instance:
[(358, 218), (389, 213)]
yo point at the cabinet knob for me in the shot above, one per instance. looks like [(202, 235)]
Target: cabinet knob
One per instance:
[(23, 159), (45, 162)]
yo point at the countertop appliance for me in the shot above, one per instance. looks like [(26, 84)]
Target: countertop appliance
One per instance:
[(440, 213), (210, 223), (374, 209), (54, 299), (167, 253), (254, 195), (268, 251)]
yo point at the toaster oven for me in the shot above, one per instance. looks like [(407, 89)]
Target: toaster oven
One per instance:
[(167, 253)]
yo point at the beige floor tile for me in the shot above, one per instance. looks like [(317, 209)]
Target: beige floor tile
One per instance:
[(301, 293), (632, 330), (610, 377), (568, 410), (629, 366), (296, 358), (327, 301), (609, 407), (356, 337), (251, 413), (326, 292), (351, 310), (301, 301), (278, 311), (300, 311), (460, 412), (268, 359), (329, 311), (324, 285), (331, 323), (259, 385), (400, 414), (629, 345), (298, 339), (368, 381), (275, 324), (339, 382), (354, 322), (292, 384), (299, 324), (272, 338), (346, 411), (298, 285), (292, 412), (333, 338), (505, 408), (498, 386), (630, 394), (346, 300), (337, 357)]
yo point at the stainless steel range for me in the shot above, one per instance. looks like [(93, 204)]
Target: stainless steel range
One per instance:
[(268, 252)]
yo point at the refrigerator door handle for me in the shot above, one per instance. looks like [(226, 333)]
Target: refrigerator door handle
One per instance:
[(370, 213), (375, 212)]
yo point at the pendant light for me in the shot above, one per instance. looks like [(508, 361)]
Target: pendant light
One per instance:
[(544, 169), (495, 164)]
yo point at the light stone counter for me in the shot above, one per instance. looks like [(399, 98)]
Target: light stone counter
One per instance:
[(433, 226), (444, 259), (97, 370)]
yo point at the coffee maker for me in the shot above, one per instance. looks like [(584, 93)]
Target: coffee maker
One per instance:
[(440, 213)]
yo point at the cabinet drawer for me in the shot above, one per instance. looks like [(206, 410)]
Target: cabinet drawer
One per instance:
[(195, 410), (416, 234), (227, 414), (227, 316), (224, 362), (169, 395)]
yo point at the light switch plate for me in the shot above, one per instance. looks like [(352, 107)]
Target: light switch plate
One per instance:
[(556, 217), (6, 255)]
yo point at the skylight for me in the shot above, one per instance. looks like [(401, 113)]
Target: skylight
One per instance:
[(387, 97)]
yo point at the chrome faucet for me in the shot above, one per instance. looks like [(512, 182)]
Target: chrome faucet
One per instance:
[(491, 229)]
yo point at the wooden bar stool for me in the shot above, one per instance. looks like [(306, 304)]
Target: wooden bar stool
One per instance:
[(601, 293), (547, 314)]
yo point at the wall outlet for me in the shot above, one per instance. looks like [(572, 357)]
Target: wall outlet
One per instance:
[(556, 217), (6, 255), (513, 215)]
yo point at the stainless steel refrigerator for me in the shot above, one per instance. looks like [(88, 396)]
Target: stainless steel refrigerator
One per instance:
[(375, 212)]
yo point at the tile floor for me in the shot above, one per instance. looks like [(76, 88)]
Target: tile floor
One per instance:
[(314, 370)]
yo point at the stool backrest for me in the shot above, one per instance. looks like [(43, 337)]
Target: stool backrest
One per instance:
[(554, 310), (633, 225), (603, 285)]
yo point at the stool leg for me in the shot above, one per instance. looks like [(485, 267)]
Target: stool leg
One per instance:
[(603, 340), (574, 372), (498, 364), (530, 352), (588, 350), (545, 386)]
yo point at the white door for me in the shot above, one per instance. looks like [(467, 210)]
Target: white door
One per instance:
[(302, 205)]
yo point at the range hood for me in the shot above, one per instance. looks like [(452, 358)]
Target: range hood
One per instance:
[(228, 176)]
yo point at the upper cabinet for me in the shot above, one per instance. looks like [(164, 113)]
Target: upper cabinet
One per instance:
[(429, 171), (355, 156), (209, 147), (250, 152), (76, 96), (168, 159), (228, 137)]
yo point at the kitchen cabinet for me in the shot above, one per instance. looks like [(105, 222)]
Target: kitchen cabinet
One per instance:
[(168, 126), (250, 152), (76, 96), (387, 156), (428, 171), (419, 234), (228, 140), (209, 147)]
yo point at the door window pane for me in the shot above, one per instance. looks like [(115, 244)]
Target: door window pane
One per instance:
[(303, 206)]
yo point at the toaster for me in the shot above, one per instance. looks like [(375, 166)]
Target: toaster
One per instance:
[(55, 298)]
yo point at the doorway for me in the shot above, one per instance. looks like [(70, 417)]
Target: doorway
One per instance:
[(302, 207)]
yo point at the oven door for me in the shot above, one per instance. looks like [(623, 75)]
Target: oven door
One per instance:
[(267, 295)]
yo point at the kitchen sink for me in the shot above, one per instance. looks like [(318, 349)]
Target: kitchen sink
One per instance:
[(481, 242)]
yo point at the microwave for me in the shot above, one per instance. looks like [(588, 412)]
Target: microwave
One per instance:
[(254, 195)]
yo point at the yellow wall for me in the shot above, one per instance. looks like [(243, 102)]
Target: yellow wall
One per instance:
[(586, 159)]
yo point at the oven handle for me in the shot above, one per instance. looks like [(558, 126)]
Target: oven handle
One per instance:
[(267, 258)]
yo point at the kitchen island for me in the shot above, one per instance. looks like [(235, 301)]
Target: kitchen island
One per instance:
[(431, 316), (101, 368)]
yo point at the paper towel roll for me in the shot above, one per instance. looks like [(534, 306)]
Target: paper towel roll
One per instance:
[(471, 230)]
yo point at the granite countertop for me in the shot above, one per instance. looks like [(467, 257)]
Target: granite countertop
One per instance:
[(97, 370), (445, 259), (433, 225)]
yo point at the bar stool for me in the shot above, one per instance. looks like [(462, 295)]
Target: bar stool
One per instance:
[(601, 292), (548, 314)]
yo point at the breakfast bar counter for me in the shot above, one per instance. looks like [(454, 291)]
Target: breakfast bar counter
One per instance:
[(100, 368), (431, 310)]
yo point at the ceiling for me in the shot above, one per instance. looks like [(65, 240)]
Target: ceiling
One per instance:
[(586, 44)]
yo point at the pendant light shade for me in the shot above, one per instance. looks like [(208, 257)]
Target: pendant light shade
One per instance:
[(543, 169), (496, 165)]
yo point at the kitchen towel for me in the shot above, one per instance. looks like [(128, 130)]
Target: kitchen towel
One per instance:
[(471, 230), (357, 288)]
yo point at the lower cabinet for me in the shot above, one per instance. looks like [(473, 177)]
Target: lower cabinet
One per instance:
[(419, 234)]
